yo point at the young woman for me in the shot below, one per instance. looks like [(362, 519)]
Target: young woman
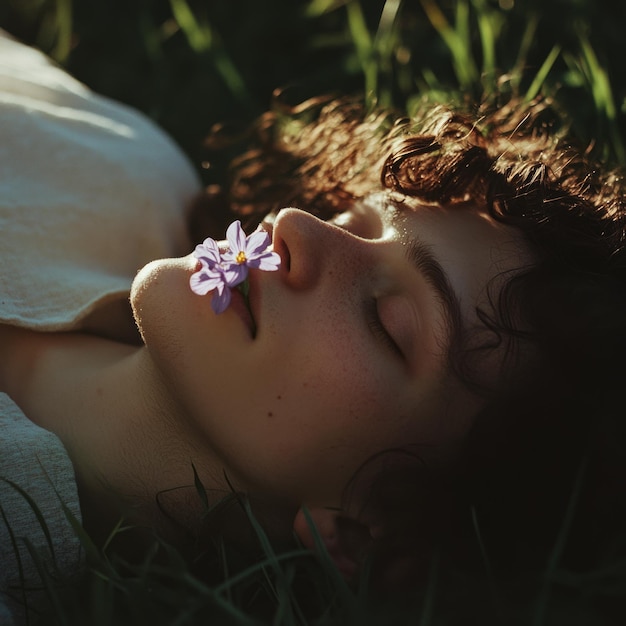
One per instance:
[(425, 369)]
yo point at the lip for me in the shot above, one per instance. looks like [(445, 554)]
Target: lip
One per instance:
[(239, 308)]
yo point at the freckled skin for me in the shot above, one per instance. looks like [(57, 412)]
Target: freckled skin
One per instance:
[(336, 394)]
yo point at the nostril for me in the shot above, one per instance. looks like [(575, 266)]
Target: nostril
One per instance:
[(279, 246), (285, 256), (298, 237)]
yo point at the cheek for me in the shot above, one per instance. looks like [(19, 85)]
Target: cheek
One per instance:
[(330, 367), (309, 422), (334, 378)]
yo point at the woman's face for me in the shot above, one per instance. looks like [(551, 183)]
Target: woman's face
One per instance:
[(349, 357)]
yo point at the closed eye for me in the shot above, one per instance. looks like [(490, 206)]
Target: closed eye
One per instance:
[(378, 329)]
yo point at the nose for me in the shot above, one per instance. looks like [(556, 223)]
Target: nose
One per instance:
[(310, 247)]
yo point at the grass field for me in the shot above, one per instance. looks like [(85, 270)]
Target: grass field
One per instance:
[(192, 63)]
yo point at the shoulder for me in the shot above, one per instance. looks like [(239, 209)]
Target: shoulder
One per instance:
[(90, 191)]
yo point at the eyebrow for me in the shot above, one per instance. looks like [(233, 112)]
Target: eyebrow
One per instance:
[(422, 258), (420, 255)]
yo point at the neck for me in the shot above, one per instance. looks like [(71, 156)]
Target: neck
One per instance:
[(126, 435)]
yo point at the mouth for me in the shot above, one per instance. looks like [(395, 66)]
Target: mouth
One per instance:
[(239, 305)]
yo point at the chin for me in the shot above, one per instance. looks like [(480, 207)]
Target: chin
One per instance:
[(160, 297)]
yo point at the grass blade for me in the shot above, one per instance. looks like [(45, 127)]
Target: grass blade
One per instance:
[(544, 70)]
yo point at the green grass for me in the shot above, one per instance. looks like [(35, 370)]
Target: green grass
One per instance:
[(189, 64)]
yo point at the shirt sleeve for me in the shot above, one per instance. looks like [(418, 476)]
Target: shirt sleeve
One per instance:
[(90, 191)]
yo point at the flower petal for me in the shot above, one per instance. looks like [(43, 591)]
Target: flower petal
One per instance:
[(220, 301), (229, 258), (207, 262), (269, 262), (257, 243), (235, 273), (236, 237), (207, 250), (204, 281)]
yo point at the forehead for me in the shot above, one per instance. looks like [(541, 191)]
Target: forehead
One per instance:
[(477, 254)]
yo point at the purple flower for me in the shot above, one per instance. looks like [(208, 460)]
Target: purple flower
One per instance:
[(208, 279), (221, 271), (246, 252)]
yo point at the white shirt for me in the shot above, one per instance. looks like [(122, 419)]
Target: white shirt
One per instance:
[(90, 191)]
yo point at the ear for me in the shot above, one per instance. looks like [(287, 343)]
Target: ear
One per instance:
[(345, 539)]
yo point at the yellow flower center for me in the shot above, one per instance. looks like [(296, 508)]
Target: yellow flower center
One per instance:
[(241, 257)]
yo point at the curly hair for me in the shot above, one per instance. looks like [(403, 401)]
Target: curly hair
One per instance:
[(507, 493)]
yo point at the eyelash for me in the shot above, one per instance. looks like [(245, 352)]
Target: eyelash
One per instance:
[(378, 329)]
